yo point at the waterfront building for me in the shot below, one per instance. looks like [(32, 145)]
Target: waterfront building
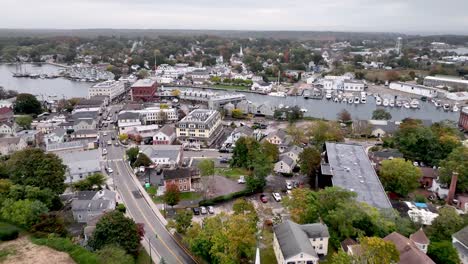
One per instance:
[(415, 89), (112, 89), (451, 82), (200, 126), (144, 90)]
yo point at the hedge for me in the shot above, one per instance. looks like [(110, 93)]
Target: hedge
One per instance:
[(224, 198), (78, 253), (8, 232)]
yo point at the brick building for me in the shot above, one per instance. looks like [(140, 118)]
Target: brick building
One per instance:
[(463, 120), (144, 90)]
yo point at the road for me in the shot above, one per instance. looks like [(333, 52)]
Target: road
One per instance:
[(160, 239)]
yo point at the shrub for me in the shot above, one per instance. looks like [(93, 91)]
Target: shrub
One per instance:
[(419, 198), (79, 254), (8, 232), (121, 208)]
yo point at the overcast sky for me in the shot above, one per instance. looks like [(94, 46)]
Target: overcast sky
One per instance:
[(407, 16)]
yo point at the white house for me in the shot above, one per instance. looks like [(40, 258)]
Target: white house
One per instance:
[(10, 145), (293, 152), (81, 164), (111, 89), (354, 86), (284, 165), (414, 89), (294, 243), (8, 128), (127, 120), (165, 135), (460, 243), (262, 87), (164, 155)]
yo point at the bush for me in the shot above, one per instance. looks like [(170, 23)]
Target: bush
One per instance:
[(8, 232), (419, 198), (121, 208), (224, 198), (79, 254)]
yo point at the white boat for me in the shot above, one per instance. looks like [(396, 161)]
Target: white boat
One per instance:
[(350, 100), (414, 103), (328, 96), (385, 102), (356, 100), (378, 101), (392, 103), (336, 100), (281, 106), (446, 107), (363, 100), (407, 105), (399, 104), (455, 108), (277, 94), (344, 100), (303, 110), (437, 104)]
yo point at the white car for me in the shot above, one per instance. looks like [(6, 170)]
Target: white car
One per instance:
[(104, 151), (203, 210), (277, 197), (241, 180), (141, 169), (289, 185), (110, 170), (104, 134)]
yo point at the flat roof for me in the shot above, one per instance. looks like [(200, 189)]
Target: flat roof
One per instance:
[(351, 169), (144, 83), (447, 79)]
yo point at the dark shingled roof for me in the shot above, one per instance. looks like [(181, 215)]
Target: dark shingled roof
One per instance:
[(178, 173), (419, 237), (462, 236), (409, 252)]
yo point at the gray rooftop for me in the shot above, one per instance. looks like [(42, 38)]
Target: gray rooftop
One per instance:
[(92, 205), (286, 159), (128, 115), (351, 169), (462, 236), (162, 151), (82, 161)]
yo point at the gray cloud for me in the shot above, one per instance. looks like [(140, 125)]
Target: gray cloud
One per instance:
[(424, 16)]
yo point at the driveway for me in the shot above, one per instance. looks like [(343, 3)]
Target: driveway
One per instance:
[(218, 185)]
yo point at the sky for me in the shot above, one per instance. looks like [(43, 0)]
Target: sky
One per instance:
[(404, 16)]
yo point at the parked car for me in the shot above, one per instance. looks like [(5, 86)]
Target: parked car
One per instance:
[(109, 143), (211, 209), (289, 185), (203, 210), (141, 169), (224, 160), (104, 134), (276, 196), (263, 198), (104, 151), (109, 170), (196, 211), (113, 137), (241, 179)]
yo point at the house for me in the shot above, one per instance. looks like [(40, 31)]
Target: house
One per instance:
[(452, 82), (181, 177), (421, 213), (460, 243), (111, 89), (200, 126), (10, 145), (284, 165), (262, 87), (8, 128), (165, 135), (375, 128), (463, 119), (410, 252), (127, 120), (6, 114), (89, 204), (80, 164), (348, 166), (294, 243), (386, 154), (164, 155), (55, 136), (264, 110), (32, 137), (354, 86), (429, 174), (242, 131), (293, 152), (143, 90), (199, 77), (246, 107), (84, 134), (280, 139), (420, 239)]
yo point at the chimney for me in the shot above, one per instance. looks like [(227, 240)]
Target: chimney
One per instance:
[(453, 186)]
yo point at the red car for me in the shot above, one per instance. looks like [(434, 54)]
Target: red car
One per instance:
[(263, 198)]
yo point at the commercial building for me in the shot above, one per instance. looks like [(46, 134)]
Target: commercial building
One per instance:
[(463, 120), (415, 89), (112, 89), (144, 90), (348, 166), (200, 126), (451, 82)]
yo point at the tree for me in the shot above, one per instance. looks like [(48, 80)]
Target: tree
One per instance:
[(445, 224), (399, 176), (297, 134), (183, 220), (342, 257), (27, 104), (142, 74), (302, 206), (206, 167), (123, 138), (24, 213), (50, 224), (114, 228), (172, 195), (344, 116), (270, 150), (443, 252), (114, 254), (175, 92), (132, 154), (322, 131), (381, 114), (24, 121), (142, 160), (309, 160), (35, 168), (377, 250), (92, 182), (457, 161), (237, 113)]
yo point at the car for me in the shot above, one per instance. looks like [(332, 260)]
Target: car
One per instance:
[(196, 211), (224, 160), (113, 137), (211, 209), (108, 119), (109, 170), (141, 169), (289, 185), (276, 196), (104, 151), (104, 134), (263, 198), (109, 143), (241, 179), (116, 144), (203, 210)]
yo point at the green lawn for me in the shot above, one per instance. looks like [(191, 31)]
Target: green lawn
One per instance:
[(233, 87), (267, 254), (231, 173), (190, 196)]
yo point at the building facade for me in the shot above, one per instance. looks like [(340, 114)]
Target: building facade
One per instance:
[(453, 83), (200, 126), (463, 120), (143, 90), (111, 89)]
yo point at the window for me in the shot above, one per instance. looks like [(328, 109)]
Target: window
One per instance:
[(320, 246), (180, 181), (321, 239)]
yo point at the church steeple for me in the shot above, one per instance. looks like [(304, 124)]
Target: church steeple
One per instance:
[(241, 53)]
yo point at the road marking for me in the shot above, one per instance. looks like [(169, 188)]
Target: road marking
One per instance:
[(149, 222)]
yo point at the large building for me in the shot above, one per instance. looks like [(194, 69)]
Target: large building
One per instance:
[(112, 89), (415, 89), (453, 83), (463, 120), (348, 166), (144, 90), (200, 126)]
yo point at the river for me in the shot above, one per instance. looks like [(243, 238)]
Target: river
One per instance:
[(60, 87)]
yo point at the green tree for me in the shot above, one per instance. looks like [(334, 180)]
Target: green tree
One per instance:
[(142, 160), (27, 104), (114, 254), (245, 207), (206, 167), (172, 195), (115, 228), (443, 252), (22, 192), (24, 121), (445, 224), (142, 74), (36, 168), (322, 131), (123, 138), (24, 213), (50, 224), (381, 114), (377, 250), (92, 182), (309, 160), (399, 176), (132, 154), (270, 150), (237, 113), (302, 206), (183, 220), (457, 161), (342, 257)]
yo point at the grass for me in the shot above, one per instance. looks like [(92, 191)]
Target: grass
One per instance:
[(5, 252), (233, 87), (267, 254), (190, 196), (232, 173), (79, 254), (143, 257)]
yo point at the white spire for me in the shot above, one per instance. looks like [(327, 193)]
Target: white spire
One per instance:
[(241, 53)]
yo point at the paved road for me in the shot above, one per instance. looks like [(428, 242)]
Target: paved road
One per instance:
[(161, 241)]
